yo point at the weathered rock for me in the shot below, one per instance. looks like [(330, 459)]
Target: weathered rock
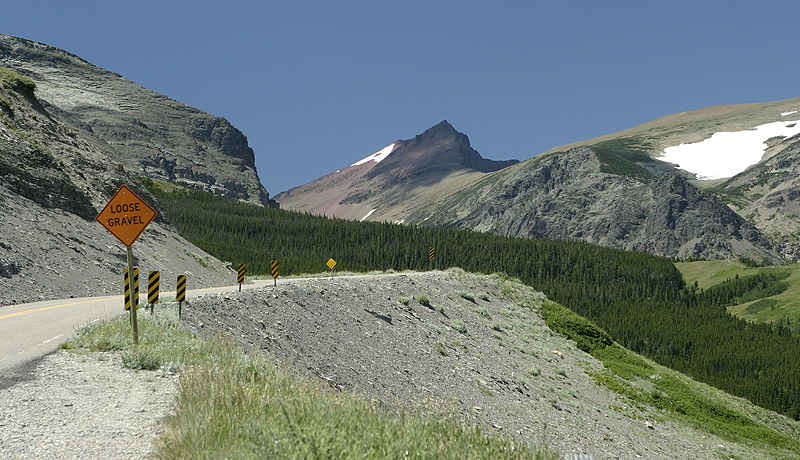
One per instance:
[(52, 185), (566, 196), (149, 134)]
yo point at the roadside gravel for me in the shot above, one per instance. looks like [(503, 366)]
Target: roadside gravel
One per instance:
[(83, 406)]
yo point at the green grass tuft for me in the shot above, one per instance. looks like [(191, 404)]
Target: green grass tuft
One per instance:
[(458, 325), (15, 80), (466, 295), (423, 300)]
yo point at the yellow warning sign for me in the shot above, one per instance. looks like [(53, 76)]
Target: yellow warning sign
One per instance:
[(126, 216)]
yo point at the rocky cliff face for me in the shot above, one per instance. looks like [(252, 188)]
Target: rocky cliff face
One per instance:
[(148, 133), (768, 195), (52, 185), (566, 196)]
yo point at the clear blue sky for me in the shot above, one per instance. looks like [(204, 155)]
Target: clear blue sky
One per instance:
[(318, 85)]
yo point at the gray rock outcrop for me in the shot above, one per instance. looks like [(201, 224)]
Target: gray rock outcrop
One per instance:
[(150, 134), (566, 196), (52, 185)]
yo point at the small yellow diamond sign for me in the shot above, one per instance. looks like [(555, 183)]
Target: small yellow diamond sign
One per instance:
[(331, 264)]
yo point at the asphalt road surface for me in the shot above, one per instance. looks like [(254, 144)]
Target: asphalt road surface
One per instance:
[(30, 331)]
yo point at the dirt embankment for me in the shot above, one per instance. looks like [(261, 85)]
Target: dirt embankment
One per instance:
[(479, 345)]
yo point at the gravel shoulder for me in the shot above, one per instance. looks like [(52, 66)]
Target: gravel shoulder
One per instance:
[(82, 406)]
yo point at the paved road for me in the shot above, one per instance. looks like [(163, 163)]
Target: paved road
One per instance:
[(31, 331)]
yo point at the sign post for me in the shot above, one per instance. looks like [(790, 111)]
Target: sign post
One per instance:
[(275, 271), (126, 216), (332, 265)]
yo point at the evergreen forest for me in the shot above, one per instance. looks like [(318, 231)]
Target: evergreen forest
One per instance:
[(640, 299)]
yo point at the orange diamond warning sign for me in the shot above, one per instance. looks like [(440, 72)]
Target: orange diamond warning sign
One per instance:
[(126, 216)]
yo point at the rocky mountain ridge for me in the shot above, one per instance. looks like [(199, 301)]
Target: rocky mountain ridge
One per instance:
[(53, 183), (568, 196), (395, 174), (616, 191), (150, 134), (768, 195)]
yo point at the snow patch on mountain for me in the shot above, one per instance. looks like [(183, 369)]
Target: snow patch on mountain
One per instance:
[(726, 154), (368, 214), (378, 156)]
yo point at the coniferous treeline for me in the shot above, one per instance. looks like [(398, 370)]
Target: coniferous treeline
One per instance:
[(640, 299)]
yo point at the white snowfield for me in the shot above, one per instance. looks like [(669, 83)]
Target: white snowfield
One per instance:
[(378, 156), (726, 154), (368, 214)]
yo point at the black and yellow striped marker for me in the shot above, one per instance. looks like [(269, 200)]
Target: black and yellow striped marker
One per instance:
[(431, 252), (241, 273), (152, 287), (275, 271), (180, 295), (135, 289)]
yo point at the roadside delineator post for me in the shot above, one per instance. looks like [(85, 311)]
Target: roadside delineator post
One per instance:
[(240, 277), (180, 293), (128, 294), (126, 216), (153, 283), (275, 272)]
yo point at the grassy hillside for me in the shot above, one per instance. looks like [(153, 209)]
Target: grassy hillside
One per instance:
[(781, 308), (640, 299)]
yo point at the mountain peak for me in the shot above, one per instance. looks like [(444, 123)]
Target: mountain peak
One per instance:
[(402, 168), (440, 150)]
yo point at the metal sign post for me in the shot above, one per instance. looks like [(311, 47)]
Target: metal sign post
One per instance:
[(332, 265), (134, 307), (275, 271), (126, 216)]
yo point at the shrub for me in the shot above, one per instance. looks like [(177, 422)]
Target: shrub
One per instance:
[(466, 295), (459, 326), (141, 358)]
